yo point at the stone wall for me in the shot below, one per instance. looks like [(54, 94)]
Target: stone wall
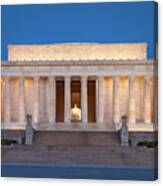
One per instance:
[(137, 137), (77, 51), (17, 135)]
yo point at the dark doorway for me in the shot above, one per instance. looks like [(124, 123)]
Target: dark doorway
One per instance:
[(76, 94), (91, 101), (60, 101), (76, 101)]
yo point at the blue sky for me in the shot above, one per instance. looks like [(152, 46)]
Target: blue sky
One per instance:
[(102, 23)]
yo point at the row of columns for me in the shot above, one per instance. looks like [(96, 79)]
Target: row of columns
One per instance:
[(84, 100), (132, 104)]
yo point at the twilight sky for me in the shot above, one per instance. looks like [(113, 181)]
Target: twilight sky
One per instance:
[(102, 23)]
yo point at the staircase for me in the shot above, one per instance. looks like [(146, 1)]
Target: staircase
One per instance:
[(70, 138), (79, 138)]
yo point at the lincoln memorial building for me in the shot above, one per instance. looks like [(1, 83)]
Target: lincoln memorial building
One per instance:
[(79, 86)]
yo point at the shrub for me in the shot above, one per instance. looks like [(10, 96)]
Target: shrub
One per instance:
[(148, 144), (8, 142)]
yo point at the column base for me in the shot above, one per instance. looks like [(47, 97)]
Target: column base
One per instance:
[(52, 123)]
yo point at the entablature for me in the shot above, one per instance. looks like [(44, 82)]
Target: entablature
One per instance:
[(80, 68), (79, 63)]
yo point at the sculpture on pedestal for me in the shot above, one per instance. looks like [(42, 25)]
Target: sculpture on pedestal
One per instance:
[(124, 132), (29, 132), (76, 113)]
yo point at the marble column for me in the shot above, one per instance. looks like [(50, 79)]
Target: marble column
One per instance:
[(147, 100), (67, 99), (132, 108), (36, 100), (116, 109), (84, 99), (100, 104), (52, 101), (21, 100), (155, 89), (7, 116)]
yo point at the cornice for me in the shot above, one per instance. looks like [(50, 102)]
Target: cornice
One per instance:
[(79, 63)]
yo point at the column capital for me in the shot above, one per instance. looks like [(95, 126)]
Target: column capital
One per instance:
[(51, 78), (116, 77), (7, 78), (84, 77), (67, 78), (100, 77), (21, 77), (131, 77), (147, 78), (36, 78)]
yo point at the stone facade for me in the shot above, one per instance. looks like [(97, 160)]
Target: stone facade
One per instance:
[(122, 87), (77, 51)]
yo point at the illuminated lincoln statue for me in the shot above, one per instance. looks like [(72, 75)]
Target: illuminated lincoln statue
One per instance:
[(75, 113)]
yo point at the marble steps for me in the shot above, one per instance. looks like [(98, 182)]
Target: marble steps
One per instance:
[(101, 155), (78, 138)]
